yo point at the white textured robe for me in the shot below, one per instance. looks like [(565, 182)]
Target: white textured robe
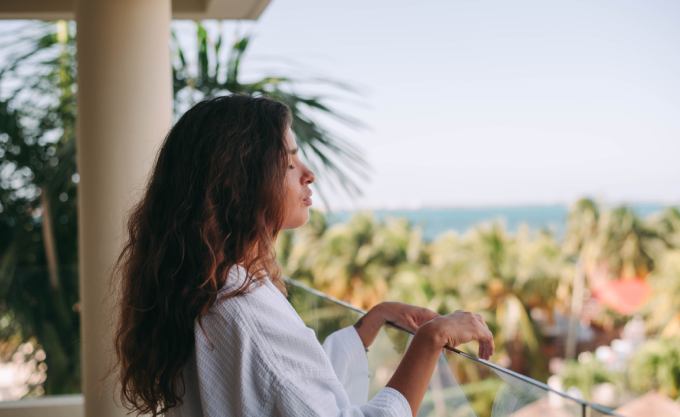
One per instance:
[(258, 358)]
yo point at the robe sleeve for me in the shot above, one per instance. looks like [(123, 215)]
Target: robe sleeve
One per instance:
[(347, 354)]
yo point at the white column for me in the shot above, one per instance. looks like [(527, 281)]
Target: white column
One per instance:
[(124, 110)]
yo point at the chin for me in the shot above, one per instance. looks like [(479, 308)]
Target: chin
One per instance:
[(298, 221)]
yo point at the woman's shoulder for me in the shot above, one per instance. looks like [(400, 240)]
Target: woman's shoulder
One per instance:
[(236, 277), (261, 302)]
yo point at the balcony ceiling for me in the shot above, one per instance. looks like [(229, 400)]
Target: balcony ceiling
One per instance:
[(181, 9)]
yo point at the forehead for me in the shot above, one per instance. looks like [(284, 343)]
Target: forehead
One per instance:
[(290, 139)]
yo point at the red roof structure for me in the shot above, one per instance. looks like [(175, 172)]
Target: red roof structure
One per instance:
[(625, 296)]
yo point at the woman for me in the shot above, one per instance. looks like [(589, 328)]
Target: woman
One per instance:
[(204, 328)]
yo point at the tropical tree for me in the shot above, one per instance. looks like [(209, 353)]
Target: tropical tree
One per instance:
[(663, 310), (366, 260), (494, 264), (607, 245), (582, 226), (38, 280), (626, 244), (667, 227), (580, 247), (355, 261)]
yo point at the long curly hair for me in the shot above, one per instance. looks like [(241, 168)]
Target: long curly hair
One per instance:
[(215, 199)]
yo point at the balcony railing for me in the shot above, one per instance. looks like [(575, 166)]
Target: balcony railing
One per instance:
[(462, 385)]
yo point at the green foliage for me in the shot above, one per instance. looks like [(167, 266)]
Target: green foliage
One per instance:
[(585, 373), (364, 261), (38, 279), (615, 243), (509, 278), (664, 313), (656, 366)]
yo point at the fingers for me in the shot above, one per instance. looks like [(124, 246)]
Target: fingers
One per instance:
[(457, 327), (478, 331), (486, 345), (483, 349)]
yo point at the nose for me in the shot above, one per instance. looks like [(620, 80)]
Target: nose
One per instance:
[(308, 176)]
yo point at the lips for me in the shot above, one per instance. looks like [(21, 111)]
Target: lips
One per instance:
[(308, 199)]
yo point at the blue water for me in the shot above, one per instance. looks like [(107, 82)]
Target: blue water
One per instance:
[(435, 221)]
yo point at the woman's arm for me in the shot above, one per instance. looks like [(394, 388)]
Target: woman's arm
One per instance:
[(369, 324), (403, 315), (416, 367), (432, 333), (414, 372)]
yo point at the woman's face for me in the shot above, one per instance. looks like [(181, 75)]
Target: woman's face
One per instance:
[(298, 196)]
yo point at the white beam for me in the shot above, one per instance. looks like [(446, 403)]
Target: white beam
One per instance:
[(181, 9)]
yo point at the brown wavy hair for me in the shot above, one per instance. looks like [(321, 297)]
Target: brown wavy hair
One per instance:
[(214, 199)]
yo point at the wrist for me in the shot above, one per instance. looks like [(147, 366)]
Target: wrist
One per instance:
[(431, 334)]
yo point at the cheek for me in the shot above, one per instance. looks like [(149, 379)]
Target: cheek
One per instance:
[(290, 190), (296, 214), (294, 208)]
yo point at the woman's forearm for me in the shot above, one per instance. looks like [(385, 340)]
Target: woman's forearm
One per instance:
[(369, 325), (416, 367)]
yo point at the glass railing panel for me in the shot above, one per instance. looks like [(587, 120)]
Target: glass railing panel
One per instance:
[(462, 385)]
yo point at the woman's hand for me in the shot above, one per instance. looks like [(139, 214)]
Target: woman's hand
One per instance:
[(457, 328), (405, 315), (416, 367)]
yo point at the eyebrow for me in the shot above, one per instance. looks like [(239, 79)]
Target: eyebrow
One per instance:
[(293, 151)]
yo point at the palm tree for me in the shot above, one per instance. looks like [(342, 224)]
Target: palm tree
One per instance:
[(582, 226), (579, 245), (667, 227), (664, 312), (357, 260), (494, 264), (626, 244)]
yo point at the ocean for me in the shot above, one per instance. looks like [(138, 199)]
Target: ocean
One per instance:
[(435, 221)]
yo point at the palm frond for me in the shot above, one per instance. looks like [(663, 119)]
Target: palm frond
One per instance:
[(340, 164)]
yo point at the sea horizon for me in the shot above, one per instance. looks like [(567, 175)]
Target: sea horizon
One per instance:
[(436, 220)]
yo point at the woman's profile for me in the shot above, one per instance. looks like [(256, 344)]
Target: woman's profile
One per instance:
[(204, 327)]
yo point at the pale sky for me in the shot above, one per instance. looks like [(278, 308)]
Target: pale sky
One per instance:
[(494, 102), (498, 102)]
